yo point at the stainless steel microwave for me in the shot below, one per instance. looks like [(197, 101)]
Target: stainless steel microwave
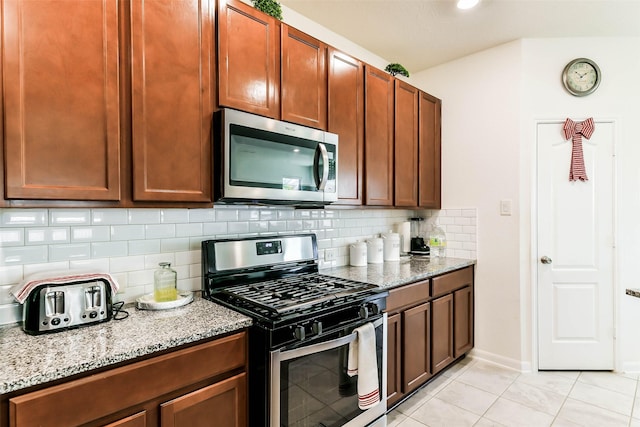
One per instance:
[(264, 161)]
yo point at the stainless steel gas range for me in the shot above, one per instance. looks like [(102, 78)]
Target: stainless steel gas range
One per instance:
[(304, 323)]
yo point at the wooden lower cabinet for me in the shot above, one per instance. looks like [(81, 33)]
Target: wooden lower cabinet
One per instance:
[(442, 339), (201, 385), (430, 325), (217, 405), (136, 420), (416, 326)]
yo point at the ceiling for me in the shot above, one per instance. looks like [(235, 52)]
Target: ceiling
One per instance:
[(420, 34)]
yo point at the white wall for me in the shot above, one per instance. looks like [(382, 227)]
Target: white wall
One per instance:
[(491, 101), (480, 130)]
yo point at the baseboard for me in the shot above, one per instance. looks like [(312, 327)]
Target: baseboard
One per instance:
[(631, 367), (506, 362)]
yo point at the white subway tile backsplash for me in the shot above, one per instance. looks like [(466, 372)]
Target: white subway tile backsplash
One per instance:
[(174, 216), (90, 234), (159, 231), (24, 217), (202, 215), (99, 265), (109, 249), (144, 216), (129, 243), (5, 296), (126, 264), (52, 269), (127, 232), (11, 236), (10, 275), (174, 245), (238, 227), (40, 236), (188, 230), (23, 255), (71, 251), (144, 247), (109, 216), (213, 228), (226, 214), (70, 217)]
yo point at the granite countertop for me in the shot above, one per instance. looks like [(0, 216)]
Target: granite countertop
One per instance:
[(392, 274), (31, 360)]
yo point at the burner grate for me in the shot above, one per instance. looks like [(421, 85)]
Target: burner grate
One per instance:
[(297, 292)]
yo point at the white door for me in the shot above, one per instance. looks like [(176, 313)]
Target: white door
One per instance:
[(575, 233)]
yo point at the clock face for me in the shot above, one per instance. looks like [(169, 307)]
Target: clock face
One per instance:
[(581, 77)]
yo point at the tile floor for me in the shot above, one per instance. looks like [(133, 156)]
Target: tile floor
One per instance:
[(478, 393)]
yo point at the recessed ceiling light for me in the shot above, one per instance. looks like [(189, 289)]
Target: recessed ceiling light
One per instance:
[(467, 4)]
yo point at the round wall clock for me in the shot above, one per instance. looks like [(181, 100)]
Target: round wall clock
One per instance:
[(581, 77)]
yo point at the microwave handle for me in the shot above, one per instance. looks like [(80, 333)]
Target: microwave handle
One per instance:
[(321, 150)]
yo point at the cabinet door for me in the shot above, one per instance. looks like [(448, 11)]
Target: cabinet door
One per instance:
[(416, 330), (345, 99), (463, 320), (249, 59), (172, 45), (429, 151), (378, 144), (442, 332), (137, 420), (394, 359), (406, 145), (303, 88), (223, 404), (61, 99)]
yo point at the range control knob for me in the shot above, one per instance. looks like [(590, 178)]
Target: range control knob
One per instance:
[(316, 327), (374, 308), (298, 333), (363, 312)]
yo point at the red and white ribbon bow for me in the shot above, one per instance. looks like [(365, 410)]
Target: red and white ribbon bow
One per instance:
[(576, 131)]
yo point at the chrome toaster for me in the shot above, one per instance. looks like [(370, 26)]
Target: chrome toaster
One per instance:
[(55, 307)]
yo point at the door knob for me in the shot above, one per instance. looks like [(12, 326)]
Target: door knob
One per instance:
[(546, 260)]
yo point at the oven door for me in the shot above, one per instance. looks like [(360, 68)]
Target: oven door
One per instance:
[(310, 385)]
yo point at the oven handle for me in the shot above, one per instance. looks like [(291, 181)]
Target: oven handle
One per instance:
[(324, 346)]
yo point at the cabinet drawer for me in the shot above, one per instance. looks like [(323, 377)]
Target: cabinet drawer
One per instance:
[(108, 392), (411, 294), (451, 281)]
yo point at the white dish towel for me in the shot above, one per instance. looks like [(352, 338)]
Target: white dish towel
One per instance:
[(364, 363)]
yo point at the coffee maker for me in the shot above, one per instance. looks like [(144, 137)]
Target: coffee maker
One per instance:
[(418, 231)]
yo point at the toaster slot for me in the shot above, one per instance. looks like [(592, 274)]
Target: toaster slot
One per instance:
[(54, 303), (93, 297)]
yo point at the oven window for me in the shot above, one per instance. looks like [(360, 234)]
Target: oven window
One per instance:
[(315, 390)]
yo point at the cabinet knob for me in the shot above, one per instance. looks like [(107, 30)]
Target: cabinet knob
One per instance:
[(546, 260)]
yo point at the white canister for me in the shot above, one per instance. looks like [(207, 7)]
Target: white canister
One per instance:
[(391, 246), (374, 251), (358, 254)]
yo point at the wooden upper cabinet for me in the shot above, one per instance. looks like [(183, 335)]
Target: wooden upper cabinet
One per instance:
[(303, 87), (346, 118), (61, 99), (249, 59), (406, 145), (429, 151), (378, 133), (172, 99)]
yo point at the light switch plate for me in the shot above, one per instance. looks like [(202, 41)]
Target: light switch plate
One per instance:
[(505, 207)]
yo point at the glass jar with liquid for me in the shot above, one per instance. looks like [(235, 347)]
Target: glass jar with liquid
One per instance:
[(165, 283)]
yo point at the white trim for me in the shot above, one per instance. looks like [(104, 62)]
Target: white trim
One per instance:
[(630, 367)]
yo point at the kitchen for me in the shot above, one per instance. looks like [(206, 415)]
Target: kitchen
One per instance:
[(511, 73)]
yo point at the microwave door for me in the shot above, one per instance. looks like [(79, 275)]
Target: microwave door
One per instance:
[(321, 179)]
